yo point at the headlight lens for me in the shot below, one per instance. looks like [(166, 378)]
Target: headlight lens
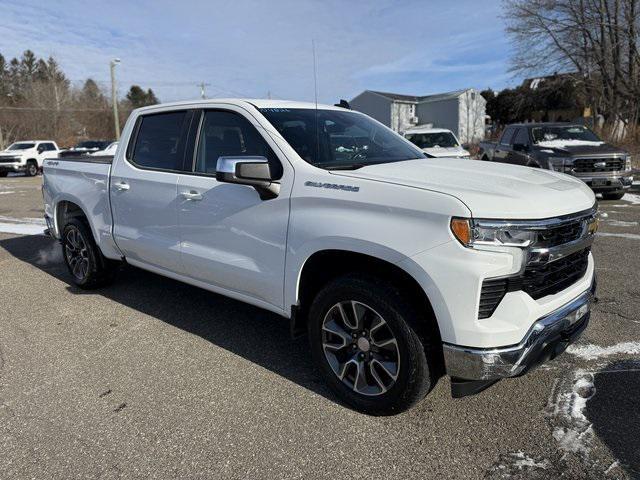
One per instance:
[(561, 164), (498, 234), (627, 163)]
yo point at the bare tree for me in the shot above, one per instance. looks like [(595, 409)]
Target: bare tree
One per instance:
[(597, 39)]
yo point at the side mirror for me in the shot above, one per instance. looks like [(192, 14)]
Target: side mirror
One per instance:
[(40, 149), (248, 170), (520, 147)]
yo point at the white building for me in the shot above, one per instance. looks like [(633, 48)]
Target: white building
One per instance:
[(462, 111)]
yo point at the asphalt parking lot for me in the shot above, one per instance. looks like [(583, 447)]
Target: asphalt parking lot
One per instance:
[(150, 378)]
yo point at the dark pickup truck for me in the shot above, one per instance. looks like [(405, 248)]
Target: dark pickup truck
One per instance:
[(567, 148)]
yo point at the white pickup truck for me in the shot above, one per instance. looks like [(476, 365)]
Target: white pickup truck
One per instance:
[(400, 268), (27, 156)]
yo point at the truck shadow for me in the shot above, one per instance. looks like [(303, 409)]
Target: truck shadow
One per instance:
[(614, 412), (252, 333)]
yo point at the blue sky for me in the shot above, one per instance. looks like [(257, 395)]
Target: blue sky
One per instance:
[(252, 47)]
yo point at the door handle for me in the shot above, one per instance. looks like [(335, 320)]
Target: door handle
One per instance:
[(192, 195), (121, 186)]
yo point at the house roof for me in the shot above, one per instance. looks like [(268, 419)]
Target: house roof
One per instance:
[(419, 99)]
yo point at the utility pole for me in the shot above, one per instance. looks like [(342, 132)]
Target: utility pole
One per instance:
[(114, 96), (202, 93)]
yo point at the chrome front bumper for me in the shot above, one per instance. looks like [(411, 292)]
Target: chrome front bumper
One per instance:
[(545, 340)]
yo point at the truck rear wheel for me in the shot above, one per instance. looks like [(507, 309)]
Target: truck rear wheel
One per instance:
[(364, 342), (613, 196), (32, 168), (87, 266)]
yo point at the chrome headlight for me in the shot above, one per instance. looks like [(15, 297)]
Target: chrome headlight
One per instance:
[(561, 164), (494, 233)]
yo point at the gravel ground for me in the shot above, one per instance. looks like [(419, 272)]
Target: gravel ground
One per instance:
[(150, 378)]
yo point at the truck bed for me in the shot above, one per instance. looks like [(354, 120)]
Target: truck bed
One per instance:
[(80, 181)]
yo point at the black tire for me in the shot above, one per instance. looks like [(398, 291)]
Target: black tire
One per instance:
[(96, 270), (485, 158), (613, 196), (32, 168), (415, 373), (4, 174)]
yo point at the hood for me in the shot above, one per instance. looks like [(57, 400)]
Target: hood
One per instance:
[(490, 190), (439, 152), (578, 148)]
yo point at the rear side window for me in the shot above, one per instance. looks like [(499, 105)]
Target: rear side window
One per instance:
[(522, 137), (160, 141), (507, 136), (228, 134)]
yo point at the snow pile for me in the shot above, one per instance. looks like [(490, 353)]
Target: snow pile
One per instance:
[(572, 430), (632, 198), (620, 223), (593, 352)]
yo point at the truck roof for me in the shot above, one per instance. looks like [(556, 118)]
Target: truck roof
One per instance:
[(256, 102)]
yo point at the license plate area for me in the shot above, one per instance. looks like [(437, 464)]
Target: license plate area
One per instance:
[(599, 182)]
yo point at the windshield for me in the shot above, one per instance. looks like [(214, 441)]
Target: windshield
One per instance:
[(433, 140), (343, 139), (21, 146), (563, 132)]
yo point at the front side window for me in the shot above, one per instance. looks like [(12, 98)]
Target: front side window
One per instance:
[(21, 146), (334, 139), (161, 140), (228, 134), (550, 133), (433, 140)]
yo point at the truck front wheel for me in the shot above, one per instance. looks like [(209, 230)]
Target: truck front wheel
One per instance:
[(364, 342), (32, 168), (86, 264)]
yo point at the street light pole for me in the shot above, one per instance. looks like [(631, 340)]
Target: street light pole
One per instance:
[(114, 98)]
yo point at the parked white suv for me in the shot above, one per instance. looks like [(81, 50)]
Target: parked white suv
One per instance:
[(399, 267), (27, 156), (436, 142)]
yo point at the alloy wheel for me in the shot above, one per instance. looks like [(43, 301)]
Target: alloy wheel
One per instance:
[(360, 347), (77, 253)]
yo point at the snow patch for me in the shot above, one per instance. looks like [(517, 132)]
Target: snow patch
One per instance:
[(620, 223), (21, 228), (573, 431), (593, 352), (631, 236), (604, 214), (632, 198), (29, 220), (7, 193), (522, 461)]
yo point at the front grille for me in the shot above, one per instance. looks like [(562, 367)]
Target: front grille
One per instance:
[(598, 165), (538, 281), (542, 280), (8, 159), (561, 234)]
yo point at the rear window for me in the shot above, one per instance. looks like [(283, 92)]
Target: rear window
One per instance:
[(161, 140)]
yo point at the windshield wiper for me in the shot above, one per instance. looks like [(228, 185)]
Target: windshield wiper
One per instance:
[(349, 166)]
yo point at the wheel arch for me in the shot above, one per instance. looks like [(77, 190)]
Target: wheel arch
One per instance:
[(324, 265)]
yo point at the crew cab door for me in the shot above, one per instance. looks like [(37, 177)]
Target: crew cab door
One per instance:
[(231, 239), (503, 146), (46, 150), (143, 190)]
